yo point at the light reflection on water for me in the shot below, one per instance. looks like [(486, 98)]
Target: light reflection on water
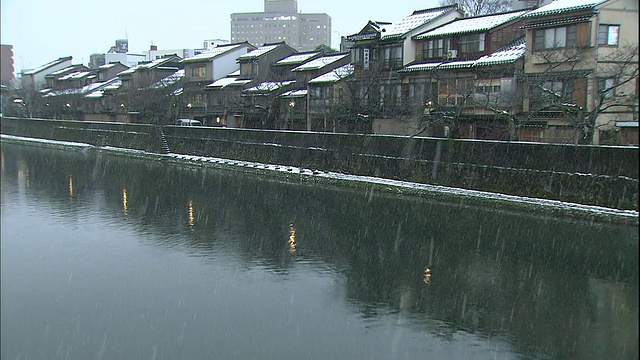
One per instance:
[(156, 260)]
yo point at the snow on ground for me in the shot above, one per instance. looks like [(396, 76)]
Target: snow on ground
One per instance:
[(553, 204)]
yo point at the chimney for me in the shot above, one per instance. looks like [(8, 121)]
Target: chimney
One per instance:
[(153, 48)]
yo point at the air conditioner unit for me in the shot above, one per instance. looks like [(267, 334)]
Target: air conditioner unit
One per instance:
[(452, 54)]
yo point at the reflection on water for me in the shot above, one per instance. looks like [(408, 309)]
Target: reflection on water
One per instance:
[(124, 271)]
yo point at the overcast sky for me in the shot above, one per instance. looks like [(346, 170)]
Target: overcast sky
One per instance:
[(44, 30)]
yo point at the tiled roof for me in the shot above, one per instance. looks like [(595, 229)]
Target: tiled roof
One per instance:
[(149, 65), (297, 58), (333, 76), (74, 75), (47, 65), (507, 54), (269, 86), (169, 80), (504, 55), (320, 62), (556, 22), (561, 6), (471, 25), (294, 93), (413, 21), (91, 88), (210, 54), (258, 52), (227, 81)]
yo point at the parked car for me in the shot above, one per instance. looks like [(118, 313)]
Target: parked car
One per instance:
[(188, 122)]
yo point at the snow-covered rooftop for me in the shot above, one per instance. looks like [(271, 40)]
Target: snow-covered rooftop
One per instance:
[(227, 81), (320, 62), (269, 86), (210, 54), (560, 6), (413, 21), (115, 85), (258, 52), (294, 93), (506, 54), (472, 24), (74, 75), (106, 66), (296, 58), (91, 88), (235, 73), (333, 76), (47, 65), (62, 71), (169, 80), (148, 65)]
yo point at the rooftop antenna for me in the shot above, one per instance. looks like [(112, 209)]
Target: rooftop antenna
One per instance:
[(126, 36)]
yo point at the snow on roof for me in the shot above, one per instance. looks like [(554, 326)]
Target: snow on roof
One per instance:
[(74, 75), (83, 90), (259, 51), (235, 73), (47, 65), (228, 81), (320, 62), (333, 76), (147, 65), (472, 24), (294, 93), (560, 6), (506, 54), (269, 86), (62, 71), (115, 85), (169, 80), (413, 21), (297, 58), (95, 94), (106, 66), (210, 54)]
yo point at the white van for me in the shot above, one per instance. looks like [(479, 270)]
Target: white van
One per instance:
[(188, 122)]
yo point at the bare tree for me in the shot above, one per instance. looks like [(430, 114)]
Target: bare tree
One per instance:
[(479, 7), (566, 78)]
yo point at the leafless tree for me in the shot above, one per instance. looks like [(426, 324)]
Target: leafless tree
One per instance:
[(480, 7), (566, 78)]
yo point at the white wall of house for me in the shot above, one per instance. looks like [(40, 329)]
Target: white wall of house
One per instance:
[(409, 46), (37, 79), (126, 59), (225, 64)]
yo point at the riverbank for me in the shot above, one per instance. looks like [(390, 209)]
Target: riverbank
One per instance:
[(466, 197)]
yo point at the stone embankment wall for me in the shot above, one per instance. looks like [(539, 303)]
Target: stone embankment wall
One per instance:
[(593, 175)]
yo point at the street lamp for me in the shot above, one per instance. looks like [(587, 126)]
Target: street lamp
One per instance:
[(292, 104)]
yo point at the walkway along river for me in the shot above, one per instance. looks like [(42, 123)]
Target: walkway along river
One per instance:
[(111, 254)]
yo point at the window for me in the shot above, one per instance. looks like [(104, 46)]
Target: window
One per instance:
[(558, 37), (472, 43), (435, 48), (606, 86), (355, 56), (393, 56), (197, 72), (608, 34)]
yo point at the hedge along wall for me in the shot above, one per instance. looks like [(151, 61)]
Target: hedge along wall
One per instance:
[(594, 175)]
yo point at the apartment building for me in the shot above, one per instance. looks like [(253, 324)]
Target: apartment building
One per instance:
[(281, 22)]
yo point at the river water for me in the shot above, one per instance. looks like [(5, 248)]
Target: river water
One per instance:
[(112, 257)]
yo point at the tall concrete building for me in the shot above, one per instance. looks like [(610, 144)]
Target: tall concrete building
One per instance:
[(281, 21), (6, 62)]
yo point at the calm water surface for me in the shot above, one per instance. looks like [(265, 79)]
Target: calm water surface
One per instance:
[(110, 257)]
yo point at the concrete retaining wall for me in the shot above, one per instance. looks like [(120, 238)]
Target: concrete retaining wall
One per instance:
[(594, 175)]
